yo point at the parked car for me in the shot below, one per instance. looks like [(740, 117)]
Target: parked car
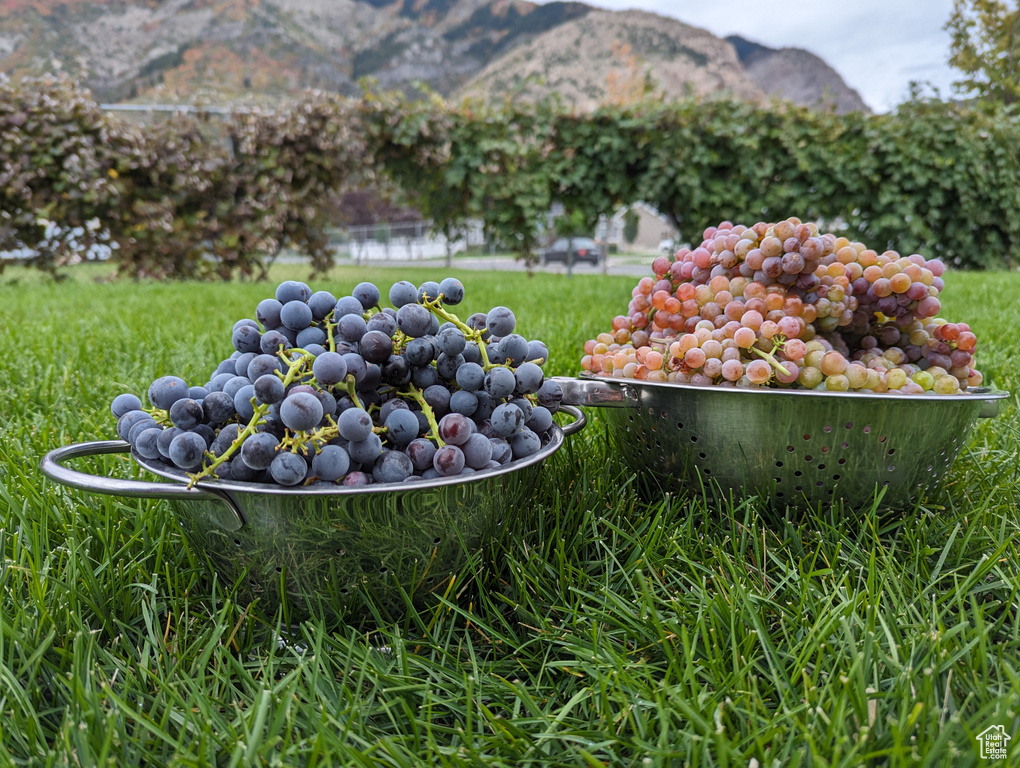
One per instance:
[(585, 250)]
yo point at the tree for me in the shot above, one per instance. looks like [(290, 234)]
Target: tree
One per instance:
[(986, 49), (631, 221)]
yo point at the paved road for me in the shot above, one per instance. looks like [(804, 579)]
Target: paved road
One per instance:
[(508, 264)]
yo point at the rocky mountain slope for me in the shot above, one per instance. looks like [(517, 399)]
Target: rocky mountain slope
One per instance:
[(266, 50), (617, 56), (796, 75)]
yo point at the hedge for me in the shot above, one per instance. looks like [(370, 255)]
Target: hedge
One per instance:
[(190, 198)]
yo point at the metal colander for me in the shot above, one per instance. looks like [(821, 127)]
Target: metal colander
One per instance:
[(330, 551), (798, 448)]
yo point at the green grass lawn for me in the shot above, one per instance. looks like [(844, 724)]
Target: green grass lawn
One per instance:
[(606, 629)]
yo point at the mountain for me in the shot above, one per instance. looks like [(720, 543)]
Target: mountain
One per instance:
[(266, 50), (617, 56), (796, 75), (235, 49)]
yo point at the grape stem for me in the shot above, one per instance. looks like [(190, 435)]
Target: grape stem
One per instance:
[(771, 359), (436, 307), (160, 416), (414, 392), (329, 332), (294, 369), (349, 381)]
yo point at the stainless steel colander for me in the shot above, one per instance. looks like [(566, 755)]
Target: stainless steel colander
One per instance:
[(328, 551), (796, 447)]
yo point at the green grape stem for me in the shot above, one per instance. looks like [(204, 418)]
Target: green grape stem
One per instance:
[(349, 381), (329, 332), (771, 359), (415, 393), (293, 371), (436, 307), (160, 416)]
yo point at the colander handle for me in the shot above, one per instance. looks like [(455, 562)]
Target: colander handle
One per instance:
[(598, 393), (579, 419), (52, 466)]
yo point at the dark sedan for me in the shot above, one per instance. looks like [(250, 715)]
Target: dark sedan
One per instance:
[(585, 250)]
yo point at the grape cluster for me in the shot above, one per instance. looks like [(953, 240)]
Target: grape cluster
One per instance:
[(781, 305), (321, 390)]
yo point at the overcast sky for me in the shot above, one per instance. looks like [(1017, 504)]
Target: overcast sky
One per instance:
[(877, 46)]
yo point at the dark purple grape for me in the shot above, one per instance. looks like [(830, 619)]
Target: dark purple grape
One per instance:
[(392, 467), (233, 386), (261, 365), (218, 407), (366, 451), (273, 341), (123, 403), (424, 377), (448, 461), (146, 442), (513, 349), (268, 313), (454, 429), (242, 362), (292, 290), (541, 420), (403, 293), (525, 443), (186, 450), (300, 411), (367, 294), (259, 450), (138, 427), (529, 378), (395, 371), (382, 322), (331, 463), (243, 403), (401, 427), (438, 398), (312, 335), (500, 383), (550, 394), (470, 376), (224, 439), (288, 468), (167, 390), (163, 443), (451, 340), (428, 291), (500, 321), (537, 351), (376, 346), (421, 451), (369, 381), (464, 402), (246, 339), (506, 419), (296, 315), (357, 479), (329, 368), (354, 424), (452, 290), (186, 413), (321, 303), (352, 327), (419, 352), (477, 451), (414, 320)]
